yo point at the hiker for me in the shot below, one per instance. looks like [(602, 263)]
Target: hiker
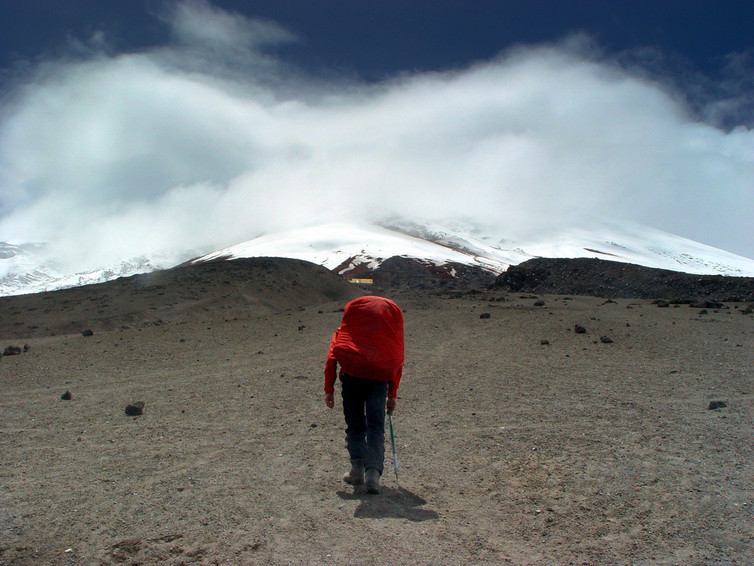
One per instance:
[(368, 346)]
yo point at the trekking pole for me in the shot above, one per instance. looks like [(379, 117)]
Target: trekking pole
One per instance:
[(392, 440)]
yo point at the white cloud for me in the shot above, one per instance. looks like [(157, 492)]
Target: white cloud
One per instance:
[(199, 22), (167, 150)]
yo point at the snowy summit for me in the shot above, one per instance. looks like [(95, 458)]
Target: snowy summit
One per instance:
[(342, 247)]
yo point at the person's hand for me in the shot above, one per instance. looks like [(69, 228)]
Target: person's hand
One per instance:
[(391, 403), (330, 400)]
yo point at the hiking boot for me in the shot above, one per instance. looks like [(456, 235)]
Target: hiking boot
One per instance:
[(356, 475), (373, 481)]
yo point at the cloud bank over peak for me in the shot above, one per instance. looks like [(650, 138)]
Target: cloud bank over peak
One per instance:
[(210, 140)]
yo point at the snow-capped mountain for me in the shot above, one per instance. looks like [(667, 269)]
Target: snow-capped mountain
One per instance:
[(27, 269), (343, 247)]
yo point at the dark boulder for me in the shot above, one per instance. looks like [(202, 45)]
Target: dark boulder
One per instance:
[(135, 409)]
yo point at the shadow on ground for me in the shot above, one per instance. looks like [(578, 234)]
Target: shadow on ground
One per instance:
[(390, 503)]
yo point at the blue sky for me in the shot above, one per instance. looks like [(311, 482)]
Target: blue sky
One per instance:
[(377, 38), (219, 121)]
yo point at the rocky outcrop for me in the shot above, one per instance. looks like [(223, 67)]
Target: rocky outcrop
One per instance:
[(613, 279), (409, 273)]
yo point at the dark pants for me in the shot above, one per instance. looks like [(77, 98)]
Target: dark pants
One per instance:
[(364, 409)]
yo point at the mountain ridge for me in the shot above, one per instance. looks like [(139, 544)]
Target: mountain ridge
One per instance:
[(615, 280), (350, 248)]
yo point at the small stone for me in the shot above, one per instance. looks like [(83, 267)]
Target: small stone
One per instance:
[(545, 342), (135, 409), (87, 332), (66, 396), (484, 315), (606, 340), (713, 405), (578, 329), (12, 351)]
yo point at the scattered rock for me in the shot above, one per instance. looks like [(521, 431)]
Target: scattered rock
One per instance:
[(66, 396), (606, 340), (578, 329), (706, 305), (135, 409), (545, 342), (703, 312), (662, 303), (12, 351), (26, 348), (87, 332), (713, 405), (539, 304), (484, 315)]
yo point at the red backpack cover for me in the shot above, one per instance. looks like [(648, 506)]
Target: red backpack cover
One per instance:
[(369, 343)]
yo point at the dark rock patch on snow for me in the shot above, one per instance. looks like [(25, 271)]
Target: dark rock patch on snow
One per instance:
[(414, 274)]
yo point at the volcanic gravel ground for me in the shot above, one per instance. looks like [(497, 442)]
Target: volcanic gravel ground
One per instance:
[(520, 441)]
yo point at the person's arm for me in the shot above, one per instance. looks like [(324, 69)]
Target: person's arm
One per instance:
[(331, 369)]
